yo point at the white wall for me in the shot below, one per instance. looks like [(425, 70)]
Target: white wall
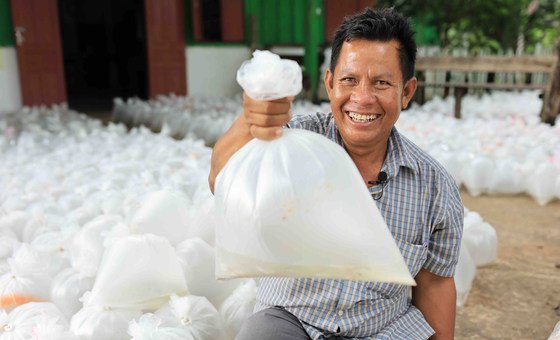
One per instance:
[(211, 70), (10, 94)]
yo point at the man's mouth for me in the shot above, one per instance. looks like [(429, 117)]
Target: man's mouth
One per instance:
[(360, 118)]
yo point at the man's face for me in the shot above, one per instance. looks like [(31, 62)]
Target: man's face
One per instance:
[(367, 91)]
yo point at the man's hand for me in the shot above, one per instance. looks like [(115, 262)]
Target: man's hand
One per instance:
[(435, 296), (266, 118)]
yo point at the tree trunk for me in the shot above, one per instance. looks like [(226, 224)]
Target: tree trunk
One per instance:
[(551, 100)]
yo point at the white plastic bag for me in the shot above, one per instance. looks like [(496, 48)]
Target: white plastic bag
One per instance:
[(148, 327), (8, 241), (84, 213), (476, 174), (555, 335), (162, 213), (238, 307), (464, 274), (20, 323), (98, 322), (28, 279), (112, 202), (557, 187), (481, 240), (67, 288), (543, 189), (55, 245), (184, 318), (4, 267), (87, 246), (138, 271), (202, 221), (298, 206), (51, 328), (267, 77), (452, 164), (16, 221), (506, 178), (40, 223), (197, 259)]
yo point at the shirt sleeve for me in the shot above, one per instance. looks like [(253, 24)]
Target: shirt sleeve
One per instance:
[(447, 230)]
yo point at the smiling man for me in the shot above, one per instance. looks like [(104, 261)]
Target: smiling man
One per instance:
[(369, 81)]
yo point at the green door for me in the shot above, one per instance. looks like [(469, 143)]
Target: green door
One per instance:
[(288, 23)]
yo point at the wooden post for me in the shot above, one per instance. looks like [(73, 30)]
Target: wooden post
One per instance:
[(459, 94), (421, 92), (447, 80), (551, 100)]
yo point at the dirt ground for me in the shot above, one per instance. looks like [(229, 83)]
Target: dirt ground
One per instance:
[(517, 297)]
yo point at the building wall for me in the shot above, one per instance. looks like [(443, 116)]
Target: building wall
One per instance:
[(211, 70), (10, 96)]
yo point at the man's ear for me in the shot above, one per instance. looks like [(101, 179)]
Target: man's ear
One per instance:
[(408, 91), (328, 80)]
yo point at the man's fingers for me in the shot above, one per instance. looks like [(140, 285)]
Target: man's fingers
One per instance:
[(268, 107), (266, 133), (277, 106), (268, 120)]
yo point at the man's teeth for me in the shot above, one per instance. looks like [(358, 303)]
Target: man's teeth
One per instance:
[(362, 118)]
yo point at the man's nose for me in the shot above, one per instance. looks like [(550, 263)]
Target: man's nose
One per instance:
[(363, 94)]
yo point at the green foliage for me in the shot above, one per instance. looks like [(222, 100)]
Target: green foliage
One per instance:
[(544, 25), (485, 25)]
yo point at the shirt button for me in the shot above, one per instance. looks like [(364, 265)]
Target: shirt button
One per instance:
[(340, 313)]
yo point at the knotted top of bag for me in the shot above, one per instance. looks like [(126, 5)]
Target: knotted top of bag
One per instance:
[(268, 77)]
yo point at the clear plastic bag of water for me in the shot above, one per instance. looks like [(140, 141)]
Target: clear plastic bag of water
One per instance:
[(298, 206), (138, 271)]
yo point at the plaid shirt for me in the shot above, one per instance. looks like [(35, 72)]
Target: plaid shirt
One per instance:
[(422, 208)]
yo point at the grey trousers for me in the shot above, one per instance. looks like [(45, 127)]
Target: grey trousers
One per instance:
[(273, 323)]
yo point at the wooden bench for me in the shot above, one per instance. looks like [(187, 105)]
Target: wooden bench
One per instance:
[(547, 64)]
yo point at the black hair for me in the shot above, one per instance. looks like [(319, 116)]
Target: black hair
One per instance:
[(381, 25)]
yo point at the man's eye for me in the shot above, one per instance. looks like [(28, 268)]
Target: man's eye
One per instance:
[(381, 83), (348, 80)]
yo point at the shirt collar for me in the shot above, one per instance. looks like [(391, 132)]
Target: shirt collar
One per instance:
[(397, 153)]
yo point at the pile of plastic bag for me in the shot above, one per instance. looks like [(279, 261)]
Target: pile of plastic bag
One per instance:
[(205, 118), (76, 198), (503, 149), (508, 153), (109, 234)]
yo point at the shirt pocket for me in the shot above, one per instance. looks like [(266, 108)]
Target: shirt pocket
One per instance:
[(414, 255)]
